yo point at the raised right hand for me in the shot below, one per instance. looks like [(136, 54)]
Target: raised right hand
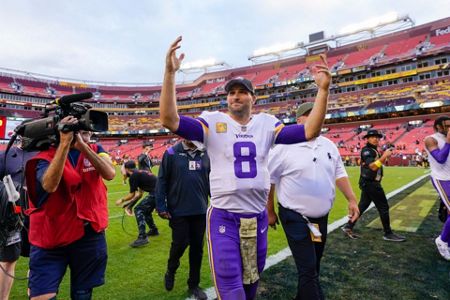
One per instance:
[(173, 62), (321, 74)]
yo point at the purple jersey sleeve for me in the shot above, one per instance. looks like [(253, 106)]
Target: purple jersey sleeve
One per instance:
[(191, 129), (291, 134), (441, 155)]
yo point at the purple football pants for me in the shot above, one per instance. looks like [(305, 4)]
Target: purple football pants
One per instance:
[(443, 189), (225, 255)]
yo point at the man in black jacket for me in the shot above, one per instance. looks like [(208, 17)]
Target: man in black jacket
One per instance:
[(182, 197), (144, 161)]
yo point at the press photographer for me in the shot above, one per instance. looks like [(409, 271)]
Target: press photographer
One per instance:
[(37, 134), (68, 206)]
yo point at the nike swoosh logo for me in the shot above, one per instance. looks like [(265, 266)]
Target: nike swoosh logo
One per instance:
[(263, 230)]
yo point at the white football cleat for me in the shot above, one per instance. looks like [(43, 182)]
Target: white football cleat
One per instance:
[(442, 248)]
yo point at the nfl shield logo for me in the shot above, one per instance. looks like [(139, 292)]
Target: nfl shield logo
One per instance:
[(222, 228), (87, 163)]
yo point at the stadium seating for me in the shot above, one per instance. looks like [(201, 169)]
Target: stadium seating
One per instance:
[(265, 76), (413, 140), (441, 40), (404, 47), (209, 88), (363, 55), (133, 147)]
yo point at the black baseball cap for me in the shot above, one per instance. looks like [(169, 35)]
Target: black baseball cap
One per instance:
[(373, 132), (130, 164), (247, 84)]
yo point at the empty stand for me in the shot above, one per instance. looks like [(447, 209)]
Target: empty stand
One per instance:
[(403, 47), (362, 56)]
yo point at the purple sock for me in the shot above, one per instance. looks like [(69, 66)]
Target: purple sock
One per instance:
[(445, 234)]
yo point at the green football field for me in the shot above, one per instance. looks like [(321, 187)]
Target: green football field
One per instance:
[(371, 268), (138, 273)]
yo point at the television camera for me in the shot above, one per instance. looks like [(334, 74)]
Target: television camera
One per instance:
[(39, 134)]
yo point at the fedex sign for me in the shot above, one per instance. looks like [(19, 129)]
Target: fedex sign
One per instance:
[(442, 31)]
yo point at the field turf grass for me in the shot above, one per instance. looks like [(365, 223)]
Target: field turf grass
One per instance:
[(371, 268), (138, 273)]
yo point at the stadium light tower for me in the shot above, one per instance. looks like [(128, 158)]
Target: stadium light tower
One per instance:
[(202, 65), (372, 24), (383, 24), (277, 50)]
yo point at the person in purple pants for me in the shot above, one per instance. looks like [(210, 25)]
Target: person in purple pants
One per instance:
[(438, 146), (238, 143)]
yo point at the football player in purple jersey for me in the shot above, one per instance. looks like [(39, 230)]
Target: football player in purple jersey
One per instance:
[(238, 143)]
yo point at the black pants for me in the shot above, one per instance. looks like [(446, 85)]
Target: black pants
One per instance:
[(143, 212), (373, 192), (187, 231), (307, 254)]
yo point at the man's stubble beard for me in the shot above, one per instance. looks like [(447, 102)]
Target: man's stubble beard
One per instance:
[(240, 113)]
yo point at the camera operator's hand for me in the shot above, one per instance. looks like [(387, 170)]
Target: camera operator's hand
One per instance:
[(67, 137)]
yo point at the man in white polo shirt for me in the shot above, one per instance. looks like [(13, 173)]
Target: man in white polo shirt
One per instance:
[(304, 177)]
